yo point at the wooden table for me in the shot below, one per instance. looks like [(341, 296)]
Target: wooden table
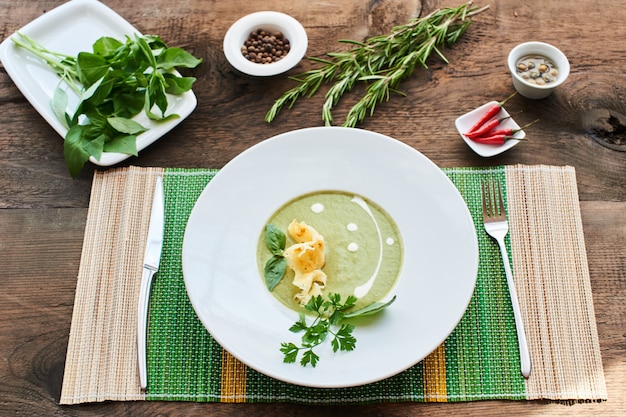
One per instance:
[(44, 211)]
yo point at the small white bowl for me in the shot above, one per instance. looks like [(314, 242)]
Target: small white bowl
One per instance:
[(534, 91), (465, 122), (239, 32)]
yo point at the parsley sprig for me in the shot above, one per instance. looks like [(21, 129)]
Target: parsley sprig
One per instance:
[(329, 321), (329, 314)]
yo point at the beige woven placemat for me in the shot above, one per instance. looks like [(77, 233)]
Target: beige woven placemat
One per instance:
[(552, 277), (549, 263), (101, 362)]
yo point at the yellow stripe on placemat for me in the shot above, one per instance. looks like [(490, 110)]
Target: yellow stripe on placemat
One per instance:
[(233, 379), (434, 368)]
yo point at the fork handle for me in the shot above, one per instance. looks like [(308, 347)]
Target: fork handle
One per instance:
[(519, 324)]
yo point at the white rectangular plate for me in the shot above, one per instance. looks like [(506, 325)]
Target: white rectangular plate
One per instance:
[(71, 28)]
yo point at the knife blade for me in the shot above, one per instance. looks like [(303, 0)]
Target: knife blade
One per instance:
[(151, 261)]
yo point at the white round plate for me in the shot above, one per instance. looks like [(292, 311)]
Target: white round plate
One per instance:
[(229, 295)]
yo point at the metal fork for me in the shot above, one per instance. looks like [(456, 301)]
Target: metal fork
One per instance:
[(496, 225)]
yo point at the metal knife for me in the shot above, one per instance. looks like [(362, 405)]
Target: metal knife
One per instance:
[(151, 261)]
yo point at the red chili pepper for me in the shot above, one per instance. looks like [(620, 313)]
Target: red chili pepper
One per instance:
[(491, 113), (486, 128), (492, 140), (503, 132)]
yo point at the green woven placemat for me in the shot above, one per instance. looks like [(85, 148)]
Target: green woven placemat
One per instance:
[(478, 361)]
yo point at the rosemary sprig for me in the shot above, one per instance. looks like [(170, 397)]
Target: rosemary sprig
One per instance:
[(381, 62)]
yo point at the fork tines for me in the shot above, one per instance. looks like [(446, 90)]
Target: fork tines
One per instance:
[(493, 203)]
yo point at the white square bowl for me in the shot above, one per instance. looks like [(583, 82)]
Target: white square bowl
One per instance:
[(466, 121)]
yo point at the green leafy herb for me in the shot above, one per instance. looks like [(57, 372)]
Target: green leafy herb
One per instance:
[(328, 321), (114, 82), (370, 309), (276, 266), (274, 271), (381, 63), (275, 239)]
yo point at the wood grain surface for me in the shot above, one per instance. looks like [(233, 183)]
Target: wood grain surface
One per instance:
[(43, 210)]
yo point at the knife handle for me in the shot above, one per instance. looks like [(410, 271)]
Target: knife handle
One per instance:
[(142, 324)]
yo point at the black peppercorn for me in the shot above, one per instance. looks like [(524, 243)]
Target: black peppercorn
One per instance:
[(265, 47)]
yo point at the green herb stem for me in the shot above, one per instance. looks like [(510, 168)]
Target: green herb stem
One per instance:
[(381, 62), (62, 64)]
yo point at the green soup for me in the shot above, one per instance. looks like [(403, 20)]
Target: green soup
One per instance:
[(363, 246)]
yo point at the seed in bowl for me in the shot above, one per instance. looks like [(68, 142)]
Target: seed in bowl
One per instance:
[(265, 47), (537, 69)]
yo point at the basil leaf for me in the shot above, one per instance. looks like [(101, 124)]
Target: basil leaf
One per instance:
[(155, 94), (99, 92), (106, 46), (157, 85), (97, 121), (275, 239), (122, 144), (88, 93), (94, 146), (155, 42), (176, 57), (90, 67), (75, 154), (370, 309), (145, 48), (178, 85), (124, 125), (128, 104), (59, 105), (274, 271)]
